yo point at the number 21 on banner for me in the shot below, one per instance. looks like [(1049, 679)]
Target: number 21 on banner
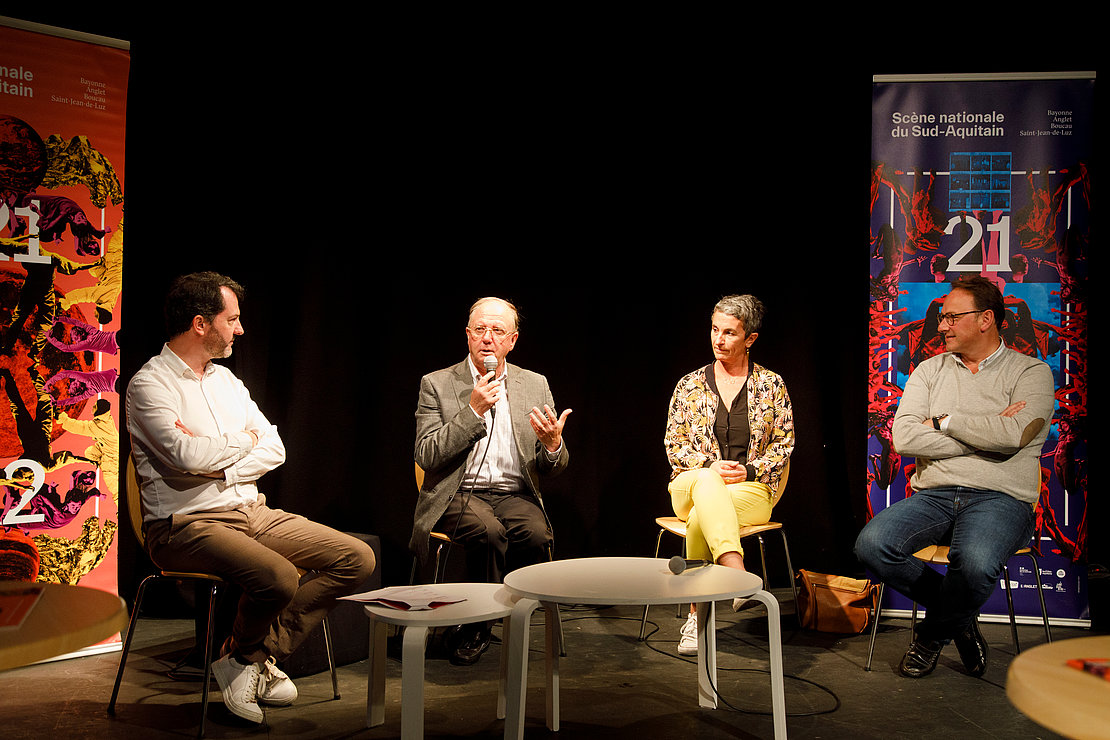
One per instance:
[(12, 516), (975, 238)]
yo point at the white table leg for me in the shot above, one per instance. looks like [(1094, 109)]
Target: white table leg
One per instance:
[(503, 677), (517, 684), (375, 684), (707, 655), (412, 682), (774, 635), (551, 650)]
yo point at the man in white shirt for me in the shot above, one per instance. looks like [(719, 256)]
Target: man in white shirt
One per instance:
[(200, 444), (484, 439)]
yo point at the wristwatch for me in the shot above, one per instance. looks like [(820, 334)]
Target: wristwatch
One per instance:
[(937, 420)]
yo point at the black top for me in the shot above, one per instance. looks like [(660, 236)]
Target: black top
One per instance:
[(731, 426)]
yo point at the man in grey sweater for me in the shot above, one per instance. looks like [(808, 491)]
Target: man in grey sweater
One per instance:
[(975, 418)]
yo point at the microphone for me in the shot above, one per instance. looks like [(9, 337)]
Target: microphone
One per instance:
[(490, 363), (678, 564)]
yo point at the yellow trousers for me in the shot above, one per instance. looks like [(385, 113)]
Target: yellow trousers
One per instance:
[(714, 512)]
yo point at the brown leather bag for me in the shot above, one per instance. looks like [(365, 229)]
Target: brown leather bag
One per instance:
[(835, 603)]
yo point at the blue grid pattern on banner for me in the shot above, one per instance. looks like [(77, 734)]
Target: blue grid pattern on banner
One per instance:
[(979, 181)]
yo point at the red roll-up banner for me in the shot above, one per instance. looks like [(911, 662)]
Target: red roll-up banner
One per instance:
[(63, 105)]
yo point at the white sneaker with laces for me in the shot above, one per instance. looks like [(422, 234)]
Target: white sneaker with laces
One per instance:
[(239, 684), (274, 687), (688, 643)]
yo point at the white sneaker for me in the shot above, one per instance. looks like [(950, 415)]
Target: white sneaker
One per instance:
[(688, 643), (239, 684), (274, 687)]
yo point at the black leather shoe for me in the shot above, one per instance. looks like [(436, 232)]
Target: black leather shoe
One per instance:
[(973, 649), (470, 649), (921, 658), (455, 635)]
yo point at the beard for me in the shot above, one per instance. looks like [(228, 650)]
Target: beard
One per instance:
[(216, 347)]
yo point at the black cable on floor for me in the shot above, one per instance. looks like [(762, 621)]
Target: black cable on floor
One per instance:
[(830, 692)]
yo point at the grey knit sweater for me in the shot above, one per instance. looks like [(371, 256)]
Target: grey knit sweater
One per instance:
[(978, 448)]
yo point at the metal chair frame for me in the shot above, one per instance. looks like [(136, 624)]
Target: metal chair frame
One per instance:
[(938, 554), (677, 527), (132, 493)]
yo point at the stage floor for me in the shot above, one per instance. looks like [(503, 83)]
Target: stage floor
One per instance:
[(612, 686)]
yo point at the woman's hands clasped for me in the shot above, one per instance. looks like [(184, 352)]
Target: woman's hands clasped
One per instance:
[(730, 471)]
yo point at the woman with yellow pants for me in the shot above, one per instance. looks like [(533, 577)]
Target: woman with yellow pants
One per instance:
[(730, 432)]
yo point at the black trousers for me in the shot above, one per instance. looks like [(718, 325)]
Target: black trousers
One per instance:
[(498, 532)]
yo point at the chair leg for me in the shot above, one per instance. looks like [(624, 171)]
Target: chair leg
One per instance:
[(207, 658), (1040, 595), (207, 651), (1010, 607), (875, 626), (913, 624), (790, 573), (436, 575), (134, 621), (681, 610), (331, 658), (763, 562), (643, 619), (435, 569), (559, 633)]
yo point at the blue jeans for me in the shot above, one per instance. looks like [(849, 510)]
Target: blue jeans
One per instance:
[(983, 530)]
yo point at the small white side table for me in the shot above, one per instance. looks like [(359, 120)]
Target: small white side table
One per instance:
[(484, 602)]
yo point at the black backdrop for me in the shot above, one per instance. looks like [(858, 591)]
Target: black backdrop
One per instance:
[(368, 180)]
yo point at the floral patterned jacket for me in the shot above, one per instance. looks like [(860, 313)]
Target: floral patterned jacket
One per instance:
[(690, 440)]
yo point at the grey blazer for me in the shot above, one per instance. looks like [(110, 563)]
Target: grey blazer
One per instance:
[(446, 429)]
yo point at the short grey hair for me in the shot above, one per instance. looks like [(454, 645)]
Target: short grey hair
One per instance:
[(746, 308)]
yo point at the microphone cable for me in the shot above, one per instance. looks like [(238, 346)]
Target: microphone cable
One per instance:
[(717, 693), (814, 713), (466, 493)]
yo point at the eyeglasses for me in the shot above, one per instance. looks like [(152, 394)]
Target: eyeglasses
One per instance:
[(951, 318), (479, 332)]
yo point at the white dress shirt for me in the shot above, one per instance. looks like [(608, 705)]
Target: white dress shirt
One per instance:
[(215, 468), (500, 470)]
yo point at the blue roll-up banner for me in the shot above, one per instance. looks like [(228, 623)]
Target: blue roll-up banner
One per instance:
[(987, 175)]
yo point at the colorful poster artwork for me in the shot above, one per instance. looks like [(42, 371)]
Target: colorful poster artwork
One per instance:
[(992, 178), (62, 122)]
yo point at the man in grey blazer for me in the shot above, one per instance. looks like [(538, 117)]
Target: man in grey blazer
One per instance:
[(484, 438)]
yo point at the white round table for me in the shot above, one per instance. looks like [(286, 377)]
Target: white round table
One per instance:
[(620, 580), (483, 602)]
